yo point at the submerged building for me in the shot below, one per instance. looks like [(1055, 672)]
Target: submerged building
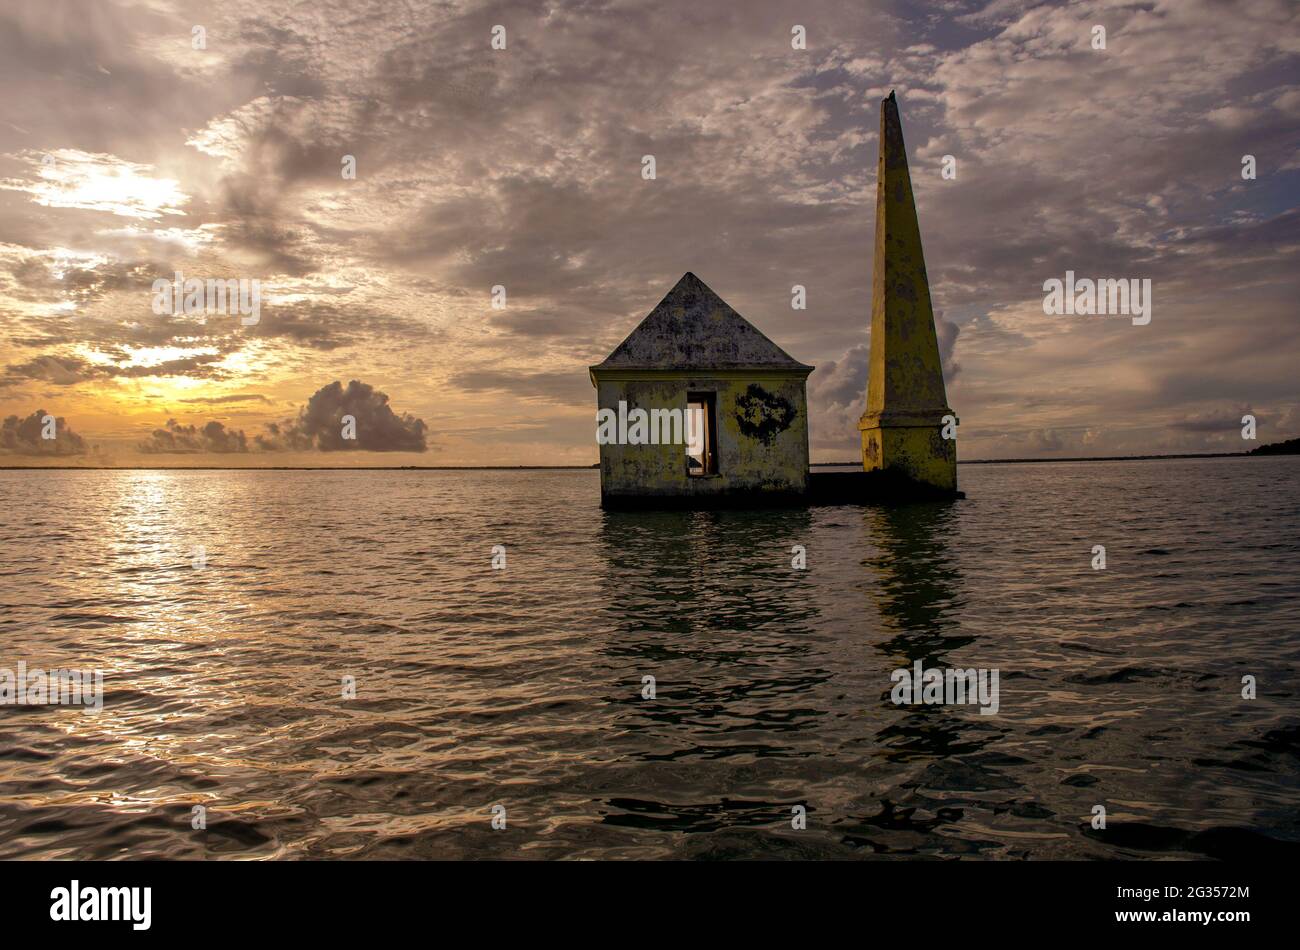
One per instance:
[(698, 408)]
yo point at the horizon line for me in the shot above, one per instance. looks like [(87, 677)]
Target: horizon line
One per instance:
[(594, 465)]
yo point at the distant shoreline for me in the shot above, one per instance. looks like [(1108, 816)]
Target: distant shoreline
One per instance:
[(575, 468), (1088, 458)]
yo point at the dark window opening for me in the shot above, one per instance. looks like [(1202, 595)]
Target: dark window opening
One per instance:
[(701, 434)]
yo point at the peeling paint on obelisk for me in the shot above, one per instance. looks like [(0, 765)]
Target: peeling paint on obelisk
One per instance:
[(906, 402)]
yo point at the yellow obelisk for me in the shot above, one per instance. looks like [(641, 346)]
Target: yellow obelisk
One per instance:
[(902, 429)]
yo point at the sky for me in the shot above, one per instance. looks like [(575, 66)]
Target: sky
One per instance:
[(142, 139)]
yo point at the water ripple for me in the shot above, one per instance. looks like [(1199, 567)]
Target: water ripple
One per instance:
[(224, 683)]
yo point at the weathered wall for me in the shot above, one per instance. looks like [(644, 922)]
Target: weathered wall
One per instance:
[(762, 424), (919, 452), (906, 399)]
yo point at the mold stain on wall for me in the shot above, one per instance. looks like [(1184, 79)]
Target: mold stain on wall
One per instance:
[(763, 415)]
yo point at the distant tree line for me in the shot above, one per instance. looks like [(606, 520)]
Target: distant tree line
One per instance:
[(1289, 447)]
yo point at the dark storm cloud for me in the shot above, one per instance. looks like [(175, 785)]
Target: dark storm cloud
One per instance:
[(26, 436), (175, 438), (320, 423)]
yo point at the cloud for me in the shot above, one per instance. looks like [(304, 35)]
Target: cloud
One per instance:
[(522, 168), (947, 333), (223, 400), (842, 382), (324, 324), (58, 370), (837, 390), (71, 178), (562, 386), (27, 436), (1218, 421), (320, 424), (71, 370), (175, 438), (837, 394)]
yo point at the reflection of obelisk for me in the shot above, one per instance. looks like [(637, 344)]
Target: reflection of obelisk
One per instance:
[(903, 425)]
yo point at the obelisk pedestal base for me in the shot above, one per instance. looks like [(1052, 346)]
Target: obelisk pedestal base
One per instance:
[(918, 451)]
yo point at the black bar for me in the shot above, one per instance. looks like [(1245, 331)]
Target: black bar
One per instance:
[(912, 900)]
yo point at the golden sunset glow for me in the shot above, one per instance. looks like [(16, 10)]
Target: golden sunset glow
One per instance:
[(73, 179)]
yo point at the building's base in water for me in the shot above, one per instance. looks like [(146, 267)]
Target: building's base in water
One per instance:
[(824, 488)]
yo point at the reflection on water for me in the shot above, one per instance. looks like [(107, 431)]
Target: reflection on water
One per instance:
[(917, 596), (917, 582), (528, 687), (709, 605)]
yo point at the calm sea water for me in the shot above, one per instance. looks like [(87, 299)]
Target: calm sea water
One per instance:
[(523, 687)]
